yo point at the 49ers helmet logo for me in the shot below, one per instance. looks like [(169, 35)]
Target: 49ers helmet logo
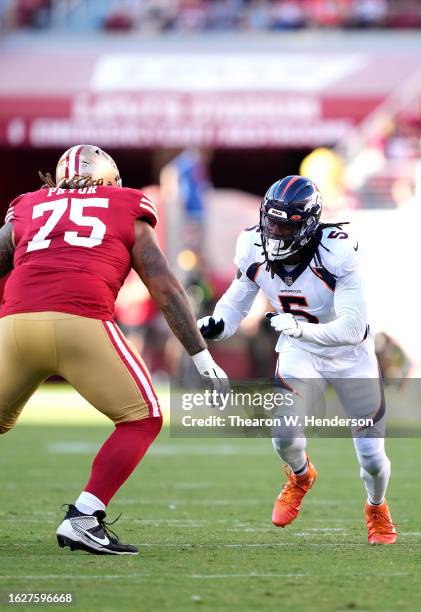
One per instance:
[(84, 163)]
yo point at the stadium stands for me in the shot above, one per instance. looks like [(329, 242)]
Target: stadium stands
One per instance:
[(208, 15)]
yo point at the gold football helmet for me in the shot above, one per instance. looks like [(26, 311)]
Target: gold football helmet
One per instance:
[(84, 165)]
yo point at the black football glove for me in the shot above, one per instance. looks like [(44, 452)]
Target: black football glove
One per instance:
[(211, 329)]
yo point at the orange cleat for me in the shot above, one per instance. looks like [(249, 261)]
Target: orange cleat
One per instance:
[(381, 528), (287, 505)]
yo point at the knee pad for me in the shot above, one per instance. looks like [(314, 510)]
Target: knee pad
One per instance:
[(289, 444), (371, 454), (374, 464), (280, 444)]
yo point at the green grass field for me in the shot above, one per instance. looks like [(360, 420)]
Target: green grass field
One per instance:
[(200, 511)]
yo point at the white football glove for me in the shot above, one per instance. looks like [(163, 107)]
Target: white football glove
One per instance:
[(286, 324), (210, 372)]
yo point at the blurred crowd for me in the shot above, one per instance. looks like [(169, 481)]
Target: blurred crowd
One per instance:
[(386, 172), (212, 15)]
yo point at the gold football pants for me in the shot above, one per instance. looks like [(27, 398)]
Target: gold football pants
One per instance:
[(92, 355)]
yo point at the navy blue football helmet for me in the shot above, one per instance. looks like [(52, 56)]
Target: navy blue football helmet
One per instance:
[(289, 216)]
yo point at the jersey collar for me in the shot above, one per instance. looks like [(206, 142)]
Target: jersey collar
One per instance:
[(290, 277)]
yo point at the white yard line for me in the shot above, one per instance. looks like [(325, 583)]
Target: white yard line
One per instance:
[(253, 545), (188, 576), (72, 448), (216, 546), (327, 529), (65, 447), (208, 502), (250, 529), (139, 576)]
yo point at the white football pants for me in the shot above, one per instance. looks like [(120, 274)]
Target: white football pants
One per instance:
[(359, 388)]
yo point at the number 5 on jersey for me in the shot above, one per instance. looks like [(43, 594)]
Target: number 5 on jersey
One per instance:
[(296, 300), (75, 206)]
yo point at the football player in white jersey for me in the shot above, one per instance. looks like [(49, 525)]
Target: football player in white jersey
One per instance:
[(310, 272)]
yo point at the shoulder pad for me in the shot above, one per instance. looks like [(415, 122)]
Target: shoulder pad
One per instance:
[(247, 252), (339, 250)]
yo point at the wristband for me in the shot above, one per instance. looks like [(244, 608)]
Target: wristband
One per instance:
[(202, 360)]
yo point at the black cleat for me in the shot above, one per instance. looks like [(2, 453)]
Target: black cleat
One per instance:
[(89, 532)]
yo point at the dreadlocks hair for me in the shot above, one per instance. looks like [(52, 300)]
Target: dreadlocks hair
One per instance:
[(269, 264), (313, 244), (47, 181), (77, 182)]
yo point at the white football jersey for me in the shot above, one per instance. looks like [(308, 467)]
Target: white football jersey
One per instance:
[(308, 290)]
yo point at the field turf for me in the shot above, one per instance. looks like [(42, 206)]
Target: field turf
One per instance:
[(200, 512)]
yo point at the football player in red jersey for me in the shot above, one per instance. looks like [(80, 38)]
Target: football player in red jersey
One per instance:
[(69, 247)]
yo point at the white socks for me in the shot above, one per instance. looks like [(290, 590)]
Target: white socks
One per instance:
[(376, 485), (88, 503), (375, 467), (293, 452)]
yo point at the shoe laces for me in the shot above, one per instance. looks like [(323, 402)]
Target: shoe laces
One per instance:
[(100, 516), (105, 525), (288, 490), (381, 520)]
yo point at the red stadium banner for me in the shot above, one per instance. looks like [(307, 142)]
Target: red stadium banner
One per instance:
[(183, 100)]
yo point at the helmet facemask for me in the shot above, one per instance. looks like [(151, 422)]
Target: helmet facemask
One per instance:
[(289, 217), (282, 237), (288, 226)]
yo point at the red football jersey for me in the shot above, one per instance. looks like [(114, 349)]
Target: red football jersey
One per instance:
[(72, 249)]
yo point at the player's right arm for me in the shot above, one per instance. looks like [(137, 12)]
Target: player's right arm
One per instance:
[(7, 249), (231, 309), (236, 302), (168, 294)]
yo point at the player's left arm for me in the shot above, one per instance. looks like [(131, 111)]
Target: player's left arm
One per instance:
[(7, 249), (230, 310), (164, 288), (168, 294)]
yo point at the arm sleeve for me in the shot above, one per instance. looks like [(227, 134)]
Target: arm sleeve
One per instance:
[(235, 304), (350, 307)]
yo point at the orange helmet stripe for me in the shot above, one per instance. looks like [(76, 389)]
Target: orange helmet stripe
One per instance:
[(290, 182)]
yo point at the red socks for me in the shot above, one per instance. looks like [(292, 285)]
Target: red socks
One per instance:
[(120, 455)]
